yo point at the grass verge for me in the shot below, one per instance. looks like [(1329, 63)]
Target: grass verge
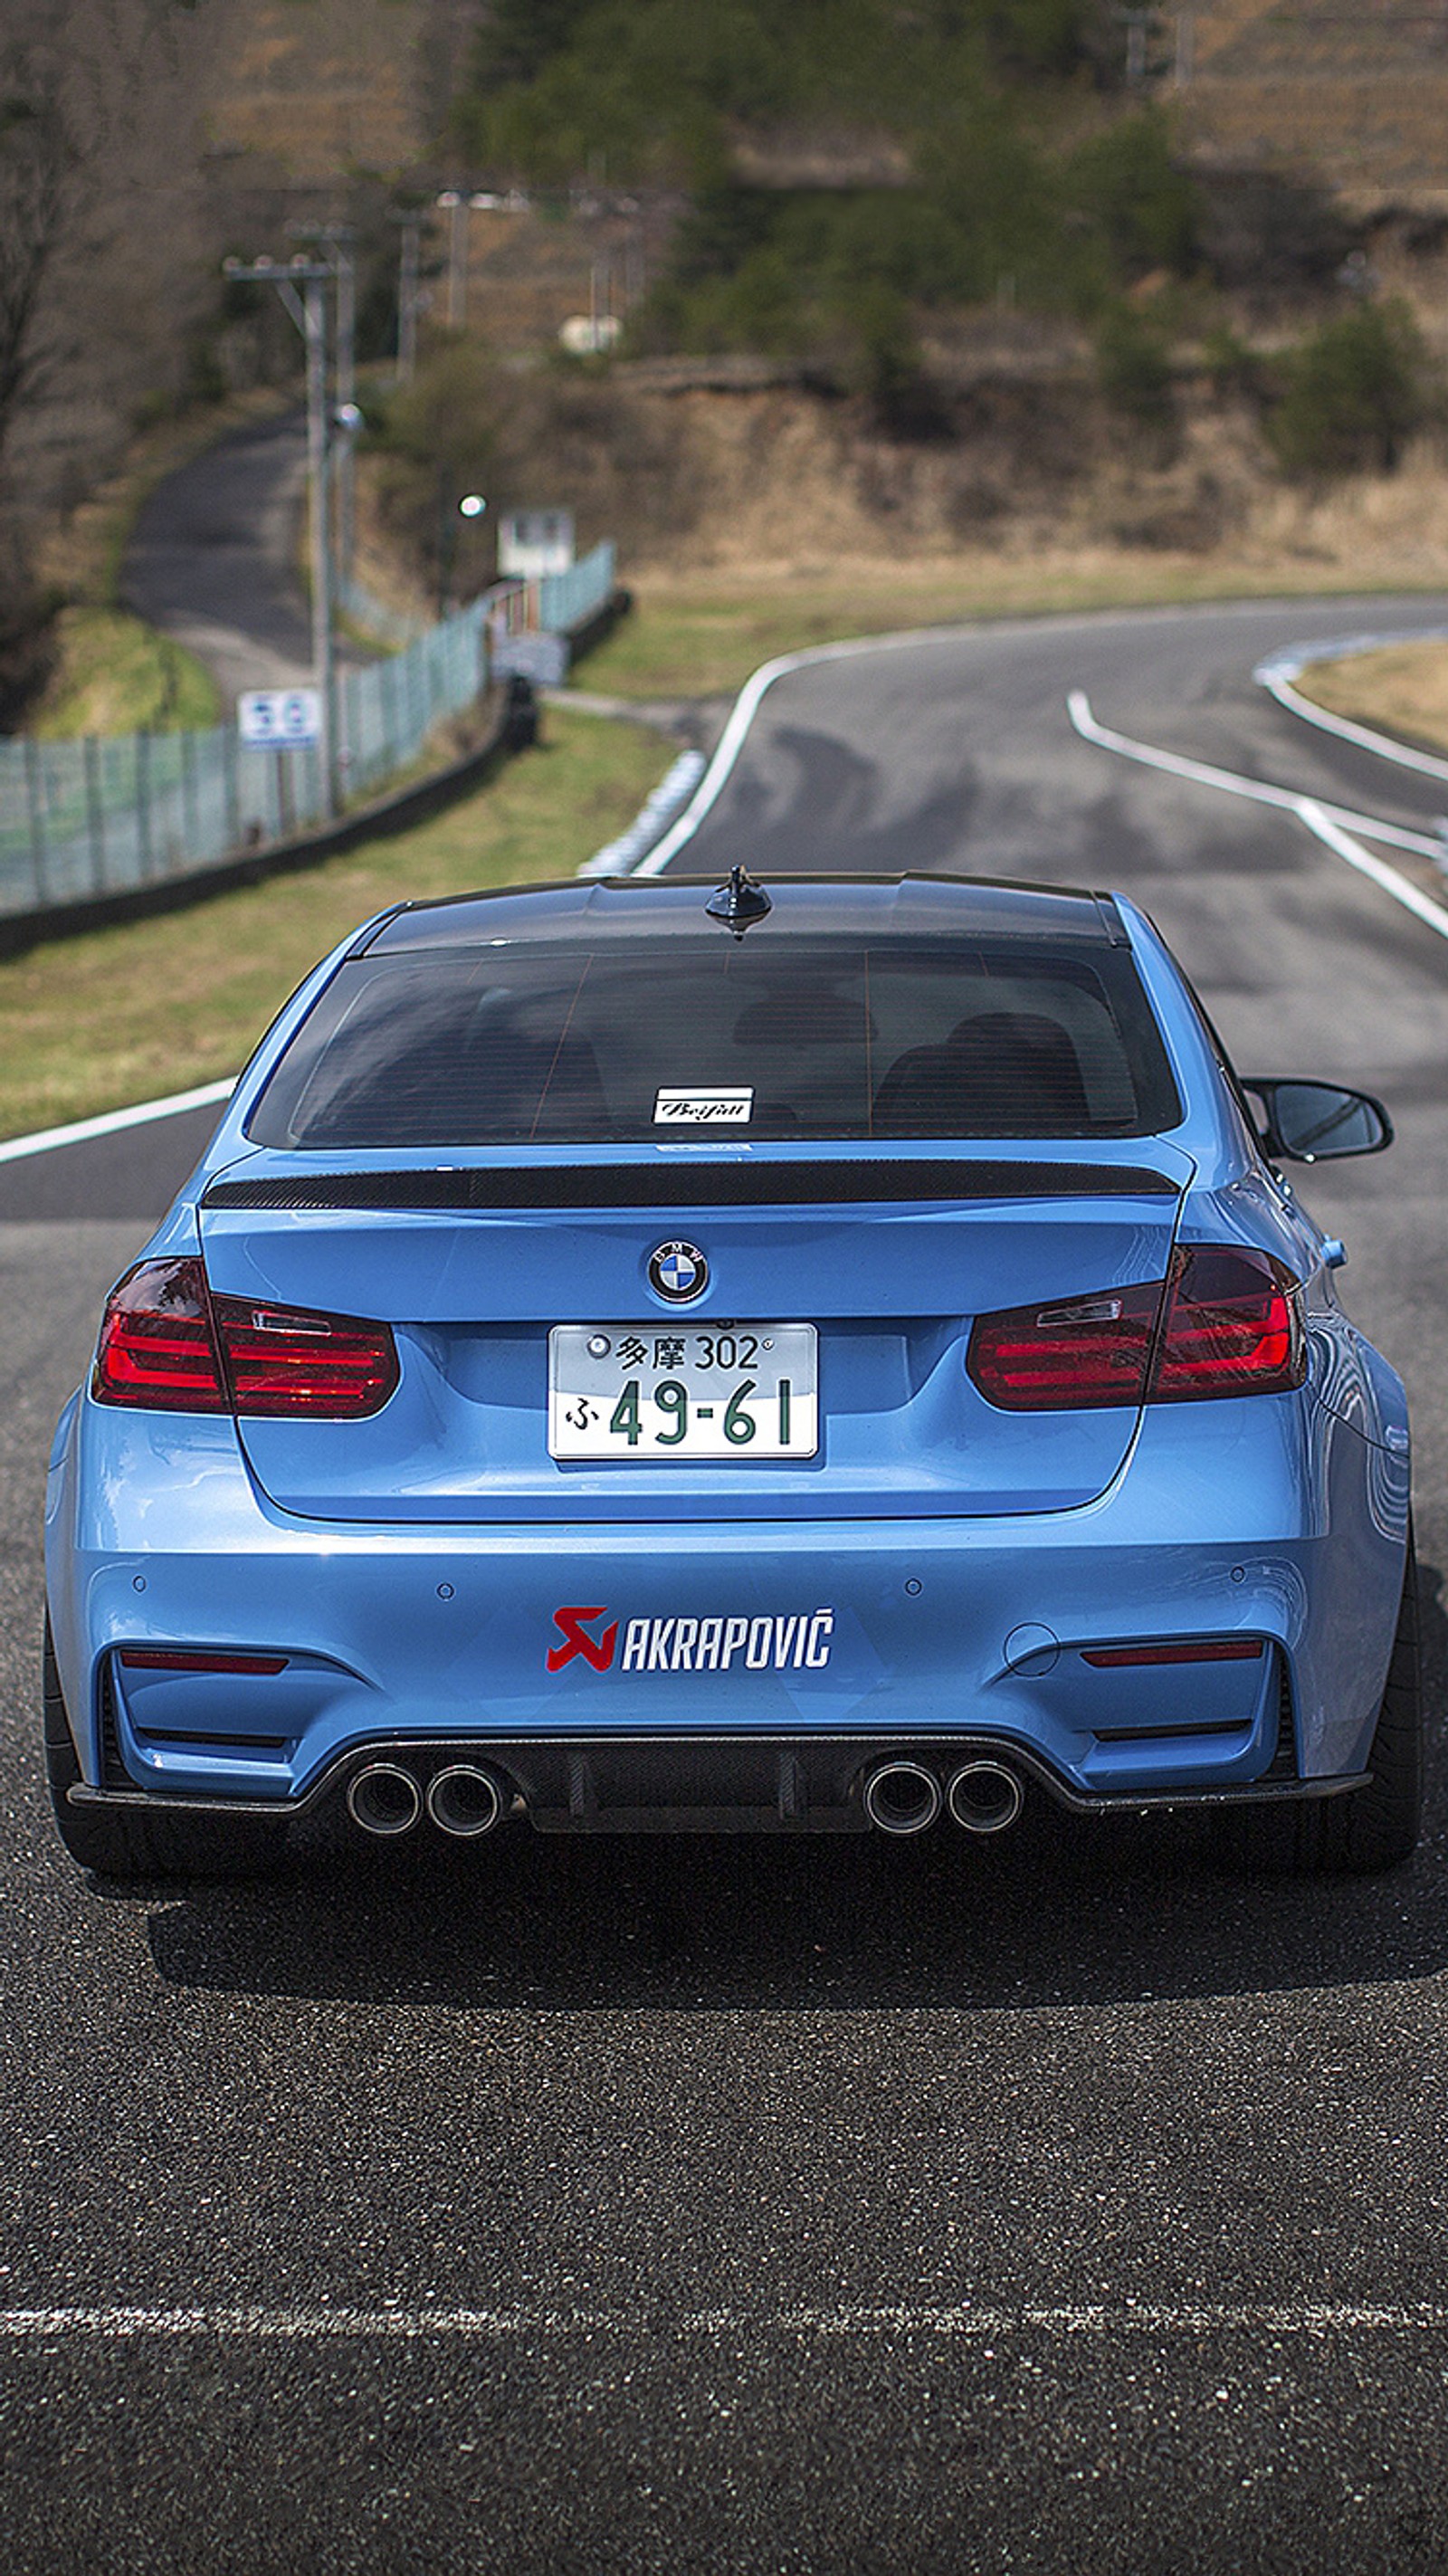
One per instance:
[(1403, 689), (150, 1007), (114, 674), (703, 637)]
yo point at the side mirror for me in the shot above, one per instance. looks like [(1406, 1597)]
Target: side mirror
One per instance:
[(1315, 1122)]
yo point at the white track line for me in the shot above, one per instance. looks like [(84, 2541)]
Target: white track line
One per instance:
[(730, 744), (1321, 820), (1327, 823), (1279, 670), (48, 1140), (965, 2323), (746, 707)]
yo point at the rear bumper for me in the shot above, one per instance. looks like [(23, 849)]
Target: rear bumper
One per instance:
[(760, 1784), (1284, 1527)]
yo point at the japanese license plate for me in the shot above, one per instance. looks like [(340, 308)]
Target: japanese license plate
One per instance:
[(647, 1394)]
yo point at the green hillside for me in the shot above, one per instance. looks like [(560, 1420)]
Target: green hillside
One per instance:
[(1021, 171), (659, 86)]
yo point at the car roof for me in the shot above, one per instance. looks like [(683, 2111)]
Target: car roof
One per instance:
[(905, 906)]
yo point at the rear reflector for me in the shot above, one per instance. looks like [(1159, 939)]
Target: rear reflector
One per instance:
[(1223, 1322), (166, 1344), (1222, 1650), (175, 1659)]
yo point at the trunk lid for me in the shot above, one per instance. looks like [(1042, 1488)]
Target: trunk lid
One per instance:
[(890, 1260)]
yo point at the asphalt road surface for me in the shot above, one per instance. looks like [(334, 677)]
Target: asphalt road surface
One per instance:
[(213, 559), (1050, 2206)]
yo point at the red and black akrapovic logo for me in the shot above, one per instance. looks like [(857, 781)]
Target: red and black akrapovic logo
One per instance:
[(597, 1651), (794, 1641)]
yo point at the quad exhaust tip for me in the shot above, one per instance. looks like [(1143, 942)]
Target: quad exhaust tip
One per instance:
[(384, 1799), (902, 1797), (464, 1800), (985, 1797)]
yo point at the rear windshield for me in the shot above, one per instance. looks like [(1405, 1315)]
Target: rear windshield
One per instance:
[(561, 1044)]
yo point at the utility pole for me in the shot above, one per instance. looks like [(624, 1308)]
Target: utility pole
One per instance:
[(336, 242), (408, 273), (454, 202), (346, 407), (302, 285), (1185, 59), (1137, 22)]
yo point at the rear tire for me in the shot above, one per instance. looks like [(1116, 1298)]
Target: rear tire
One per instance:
[(1365, 1829), (126, 1842)]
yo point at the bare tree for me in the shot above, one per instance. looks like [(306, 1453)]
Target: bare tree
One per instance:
[(101, 255), (33, 168)]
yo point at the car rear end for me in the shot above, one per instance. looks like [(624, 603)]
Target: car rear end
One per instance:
[(638, 1373)]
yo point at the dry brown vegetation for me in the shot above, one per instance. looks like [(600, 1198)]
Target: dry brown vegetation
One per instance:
[(778, 484), (1402, 688)]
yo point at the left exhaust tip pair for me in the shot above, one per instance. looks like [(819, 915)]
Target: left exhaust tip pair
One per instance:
[(463, 1800)]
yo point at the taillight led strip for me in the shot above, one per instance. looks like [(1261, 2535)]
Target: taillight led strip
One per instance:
[(167, 1344)]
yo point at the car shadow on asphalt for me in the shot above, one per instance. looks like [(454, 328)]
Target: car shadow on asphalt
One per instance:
[(1057, 1912), (724, 1924)]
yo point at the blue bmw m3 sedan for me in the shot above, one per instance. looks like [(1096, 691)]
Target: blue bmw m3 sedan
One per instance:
[(643, 1356)]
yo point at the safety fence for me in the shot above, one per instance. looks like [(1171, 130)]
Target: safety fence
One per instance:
[(85, 819), (567, 600)]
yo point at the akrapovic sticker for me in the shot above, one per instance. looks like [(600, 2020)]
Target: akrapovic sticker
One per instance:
[(679, 1108), (792, 1641)]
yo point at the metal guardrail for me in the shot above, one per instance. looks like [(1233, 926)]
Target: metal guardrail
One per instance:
[(102, 816)]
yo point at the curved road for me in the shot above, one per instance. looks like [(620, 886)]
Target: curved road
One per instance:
[(213, 559), (1054, 2207)]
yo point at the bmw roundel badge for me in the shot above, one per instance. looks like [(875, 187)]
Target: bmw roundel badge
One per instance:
[(679, 1272)]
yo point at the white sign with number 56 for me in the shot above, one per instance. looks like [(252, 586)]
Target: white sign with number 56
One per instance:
[(279, 718)]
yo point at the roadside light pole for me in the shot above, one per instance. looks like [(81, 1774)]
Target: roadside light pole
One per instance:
[(302, 285), (470, 507)]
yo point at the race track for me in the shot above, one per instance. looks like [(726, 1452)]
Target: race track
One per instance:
[(1053, 2206)]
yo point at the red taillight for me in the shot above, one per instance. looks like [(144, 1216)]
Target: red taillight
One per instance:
[(282, 1361), (167, 1344), (1088, 1350), (156, 1347), (1233, 1327), (1224, 1322)]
